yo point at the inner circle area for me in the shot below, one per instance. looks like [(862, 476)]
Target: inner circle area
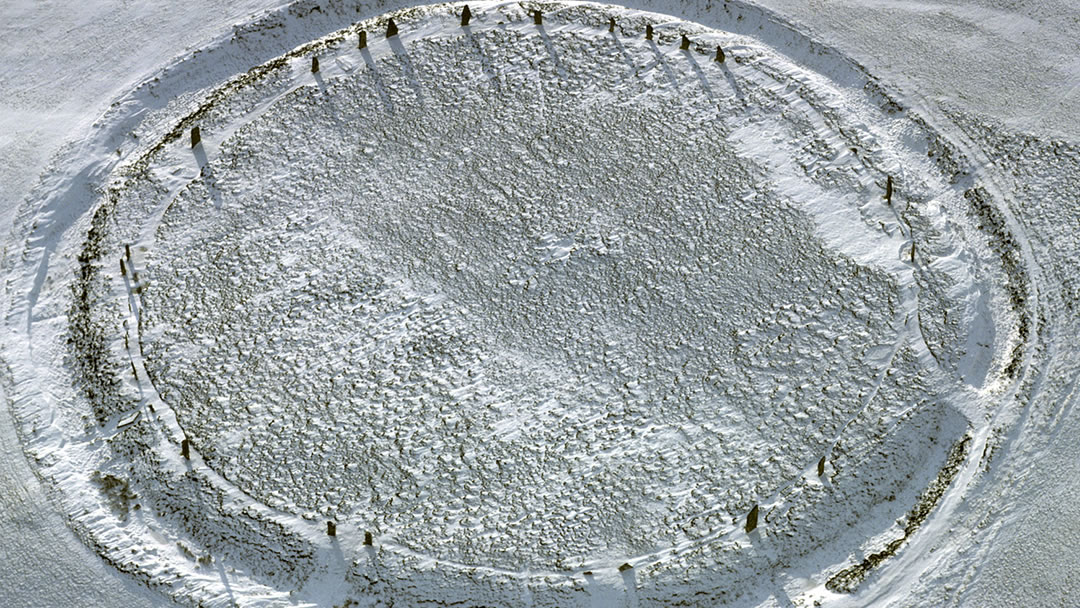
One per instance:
[(508, 298)]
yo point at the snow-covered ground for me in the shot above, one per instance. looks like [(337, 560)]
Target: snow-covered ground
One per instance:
[(534, 304)]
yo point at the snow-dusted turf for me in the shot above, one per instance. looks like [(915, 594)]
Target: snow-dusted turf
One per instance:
[(543, 311)]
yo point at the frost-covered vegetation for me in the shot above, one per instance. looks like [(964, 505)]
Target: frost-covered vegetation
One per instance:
[(533, 315)]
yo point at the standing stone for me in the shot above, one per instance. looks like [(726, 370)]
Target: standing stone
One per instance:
[(195, 136), (719, 54), (331, 528), (611, 25), (751, 519), (363, 40), (821, 467), (648, 31), (685, 43), (314, 65), (888, 189), (538, 17), (391, 29), (466, 15), (185, 449), (368, 540)]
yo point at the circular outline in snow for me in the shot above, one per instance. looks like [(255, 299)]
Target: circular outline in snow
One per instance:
[(195, 545)]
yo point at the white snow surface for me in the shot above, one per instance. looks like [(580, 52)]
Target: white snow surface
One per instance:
[(531, 303)]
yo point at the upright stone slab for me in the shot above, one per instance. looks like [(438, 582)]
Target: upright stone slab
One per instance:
[(751, 519)]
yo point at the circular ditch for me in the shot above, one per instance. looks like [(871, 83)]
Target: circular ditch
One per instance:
[(525, 313)]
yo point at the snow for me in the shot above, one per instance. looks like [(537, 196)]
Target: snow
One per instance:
[(416, 220)]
